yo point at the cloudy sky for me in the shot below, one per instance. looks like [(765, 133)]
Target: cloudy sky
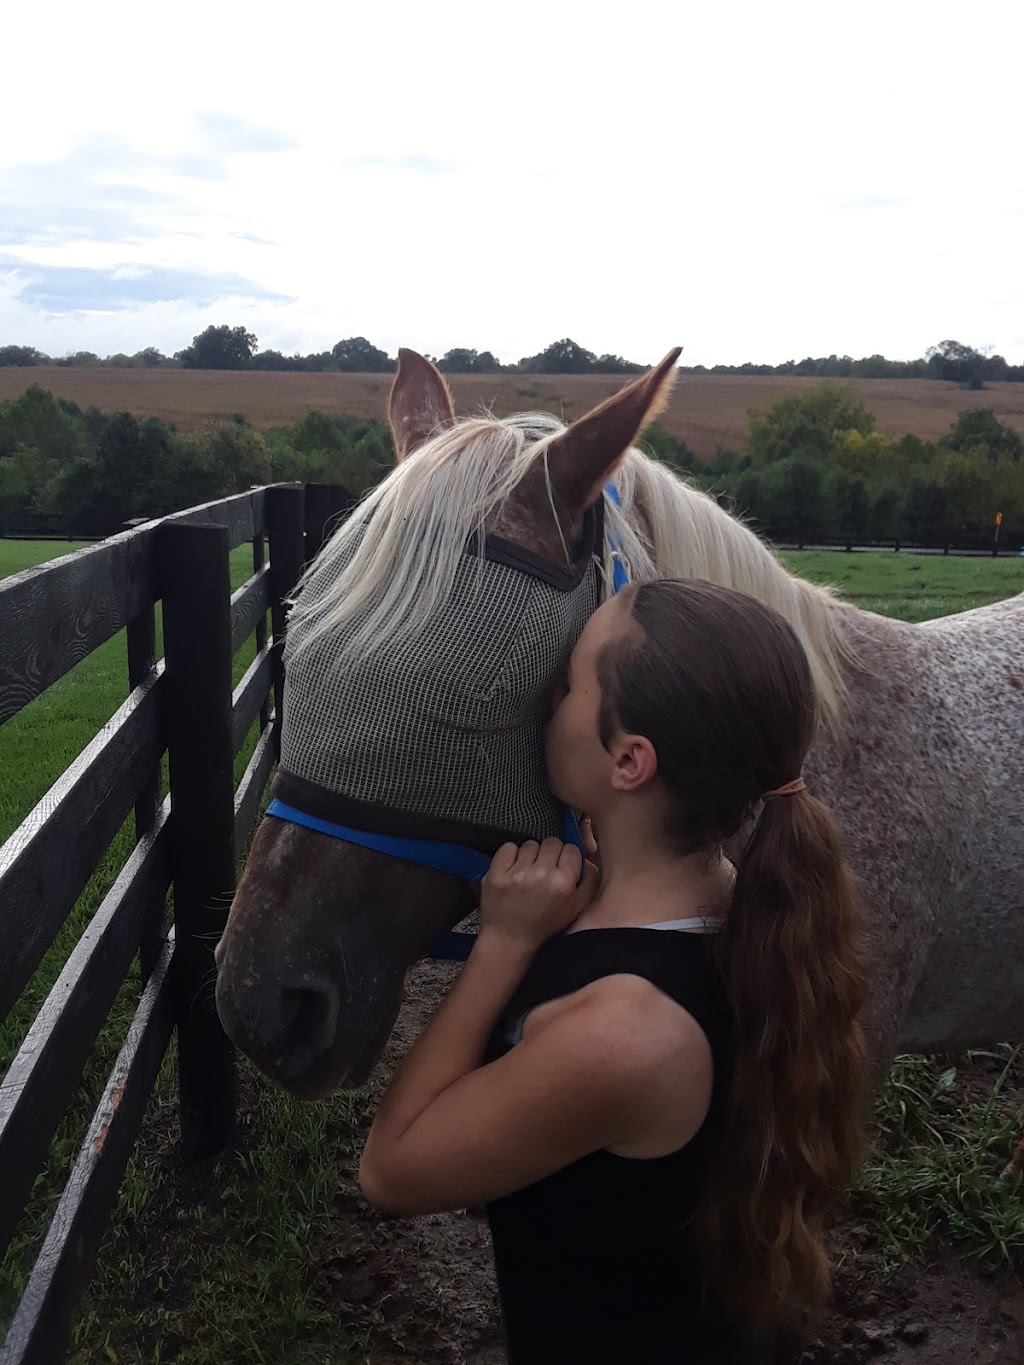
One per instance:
[(749, 180)]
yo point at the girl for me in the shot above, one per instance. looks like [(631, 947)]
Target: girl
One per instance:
[(652, 1079)]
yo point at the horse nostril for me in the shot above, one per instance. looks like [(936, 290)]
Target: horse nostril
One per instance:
[(308, 1017)]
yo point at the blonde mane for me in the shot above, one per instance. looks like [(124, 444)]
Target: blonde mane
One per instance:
[(393, 563), (669, 528)]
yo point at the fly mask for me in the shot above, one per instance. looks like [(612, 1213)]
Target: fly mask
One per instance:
[(431, 750)]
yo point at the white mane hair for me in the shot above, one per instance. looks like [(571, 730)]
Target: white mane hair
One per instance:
[(392, 564)]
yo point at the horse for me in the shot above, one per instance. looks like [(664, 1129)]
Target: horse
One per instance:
[(920, 750)]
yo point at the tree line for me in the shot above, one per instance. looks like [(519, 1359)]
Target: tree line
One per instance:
[(813, 467), (235, 348)]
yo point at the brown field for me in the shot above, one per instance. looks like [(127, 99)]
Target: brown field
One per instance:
[(706, 411)]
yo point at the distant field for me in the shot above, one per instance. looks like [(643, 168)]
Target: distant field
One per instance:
[(705, 412)]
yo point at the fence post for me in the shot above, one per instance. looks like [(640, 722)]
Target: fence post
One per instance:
[(195, 577), (285, 527), (327, 506)]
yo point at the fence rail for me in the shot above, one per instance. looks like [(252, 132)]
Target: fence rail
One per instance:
[(53, 617)]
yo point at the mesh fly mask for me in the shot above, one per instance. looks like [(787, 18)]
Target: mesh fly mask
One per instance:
[(432, 750)]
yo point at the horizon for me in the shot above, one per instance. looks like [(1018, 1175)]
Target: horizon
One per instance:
[(169, 358)]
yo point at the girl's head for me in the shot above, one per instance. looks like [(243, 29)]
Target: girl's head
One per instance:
[(686, 699), (684, 704)]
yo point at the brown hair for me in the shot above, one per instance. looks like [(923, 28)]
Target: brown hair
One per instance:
[(721, 686)]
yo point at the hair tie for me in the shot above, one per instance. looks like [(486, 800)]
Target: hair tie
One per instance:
[(787, 789)]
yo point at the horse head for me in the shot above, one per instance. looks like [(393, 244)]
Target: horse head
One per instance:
[(420, 655)]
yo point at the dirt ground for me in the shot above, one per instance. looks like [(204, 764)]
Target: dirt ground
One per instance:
[(706, 411), (424, 1291)]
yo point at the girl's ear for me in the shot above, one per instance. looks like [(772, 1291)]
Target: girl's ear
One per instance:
[(635, 762)]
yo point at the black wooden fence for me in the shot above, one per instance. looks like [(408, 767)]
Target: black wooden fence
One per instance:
[(184, 705)]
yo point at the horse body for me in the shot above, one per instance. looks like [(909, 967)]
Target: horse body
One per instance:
[(925, 776), (968, 672), (921, 756)]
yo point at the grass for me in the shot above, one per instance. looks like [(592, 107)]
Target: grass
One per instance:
[(227, 1253), (224, 1249), (945, 1130), (912, 587)]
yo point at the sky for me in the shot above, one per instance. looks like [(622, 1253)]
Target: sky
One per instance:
[(751, 181)]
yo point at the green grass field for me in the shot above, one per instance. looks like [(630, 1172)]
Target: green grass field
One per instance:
[(255, 1224)]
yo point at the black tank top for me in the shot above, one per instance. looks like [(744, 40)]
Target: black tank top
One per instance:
[(598, 1262)]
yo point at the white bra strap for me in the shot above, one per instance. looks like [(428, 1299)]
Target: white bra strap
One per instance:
[(699, 922)]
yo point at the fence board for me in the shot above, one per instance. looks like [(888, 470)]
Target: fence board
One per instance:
[(250, 694), (243, 515), (249, 605), (41, 1327), (52, 854), (41, 1080), (253, 784), (56, 614)]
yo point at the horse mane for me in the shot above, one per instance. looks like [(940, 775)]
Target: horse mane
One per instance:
[(392, 564), (670, 528)]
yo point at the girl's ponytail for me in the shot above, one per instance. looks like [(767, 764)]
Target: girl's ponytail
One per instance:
[(792, 957), (722, 687)]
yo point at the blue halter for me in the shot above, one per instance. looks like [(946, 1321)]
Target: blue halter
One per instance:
[(458, 859)]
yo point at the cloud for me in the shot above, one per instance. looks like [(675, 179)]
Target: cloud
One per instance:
[(229, 134), (81, 289), (103, 189), (92, 194), (413, 162)]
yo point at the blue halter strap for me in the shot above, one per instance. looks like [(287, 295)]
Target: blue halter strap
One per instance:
[(458, 859), (620, 574)]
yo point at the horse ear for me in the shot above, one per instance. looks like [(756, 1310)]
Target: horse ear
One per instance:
[(583, 457), (420, 404)]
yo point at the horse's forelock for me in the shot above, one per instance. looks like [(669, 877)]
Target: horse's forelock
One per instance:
[(394, 561)]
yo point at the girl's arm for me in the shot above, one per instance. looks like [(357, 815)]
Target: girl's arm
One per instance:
[(450, 1132)]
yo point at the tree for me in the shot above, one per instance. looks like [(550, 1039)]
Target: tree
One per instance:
[(461, 360), (667, 449), (22, 355), (614, 364), (981, 427), (151, 358), (954, 361), (79, 358), (808, 425), (561, 357), (356, 355), (851, 505), (219, 348), (925, 514), (36, 420)]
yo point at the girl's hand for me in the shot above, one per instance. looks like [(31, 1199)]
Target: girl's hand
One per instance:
[(530, 893)]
